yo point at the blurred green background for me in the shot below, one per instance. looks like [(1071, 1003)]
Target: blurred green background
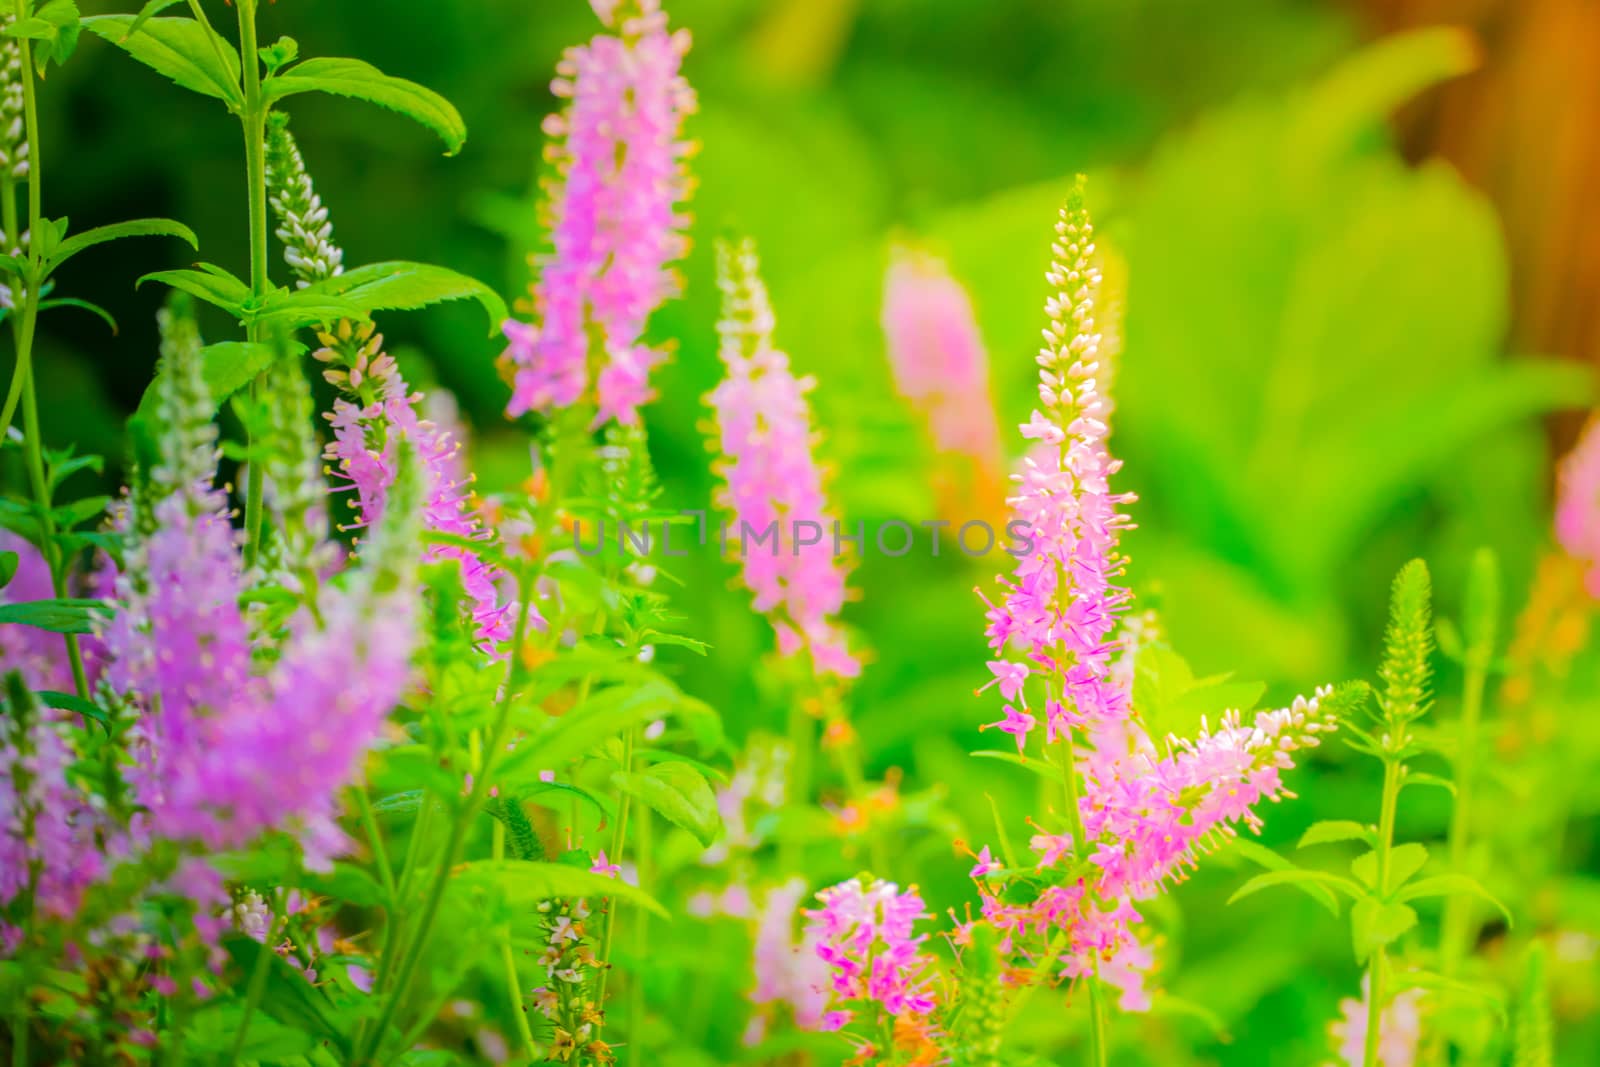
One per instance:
[(1319, 380)]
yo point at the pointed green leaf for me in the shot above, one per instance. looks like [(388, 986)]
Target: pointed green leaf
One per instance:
[(1532, 1045), (8, 567), (405, 286), (290, 309), (117, 230), (1375, 924), (1296, 876), (362, 81), (149, 11), (1405, 861), (1428, 779), (72, 702), (225, 292), (182, 49), (680, 794), (1331, 830), (1444, 885), (81, 305), (526, 884), (62, 616), (1039, 767)]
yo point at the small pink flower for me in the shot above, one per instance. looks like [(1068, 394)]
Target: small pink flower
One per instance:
[(604, 866), (985, 866)]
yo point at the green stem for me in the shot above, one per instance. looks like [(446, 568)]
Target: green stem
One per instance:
[(1456, 930), (641, 946), (380, 854), (1068, 762), (619, 838), (457, 837), (24, 328), (519, 1008), (254, 120), (258, 985), (1392, 769), (21, 1023)]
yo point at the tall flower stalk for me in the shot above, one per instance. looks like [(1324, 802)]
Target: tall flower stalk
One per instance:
[(377, 408), (613, 208)]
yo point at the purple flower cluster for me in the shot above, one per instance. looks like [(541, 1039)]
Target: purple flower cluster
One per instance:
[(613, 212), (865, 933), (770, 474), (367, 432), (48, 846)]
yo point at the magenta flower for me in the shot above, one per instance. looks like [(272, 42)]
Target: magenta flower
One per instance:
[(39, 655), (938, 357), (378, 408), (603, 866), (1061, 604), (364, 450), (1578, 504), (770, 476), (787, 970), (865, 933), (48, 831), (227, 753), (614, 217)]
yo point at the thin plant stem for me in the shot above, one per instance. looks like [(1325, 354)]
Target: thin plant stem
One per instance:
[(23, 331), (380, 854), (258, 985), (458, 831), (619, 837), (254, 121), (1456, 929), (641, 944), (1376, 969)]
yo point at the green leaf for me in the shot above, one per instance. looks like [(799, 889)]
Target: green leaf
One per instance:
[(1330, 830), (279, 54), (1296, 876), (227, 367), (1438, 983), (8, 567), (50, 698), (679, 793), (1404, 861), (525, 884), (194, 56), (362, 81), (116, 231), (62, 16), (288, 997), (1532, 1044), (62, 616), (220, 289), (1039, 767), (405, 286), (1444, 885), (573, 735), (1375, 924), (1428, 779), (82, 305), (151, 9), (291, 309)]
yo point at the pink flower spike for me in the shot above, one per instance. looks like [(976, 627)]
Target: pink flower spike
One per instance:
[(615, 221)]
